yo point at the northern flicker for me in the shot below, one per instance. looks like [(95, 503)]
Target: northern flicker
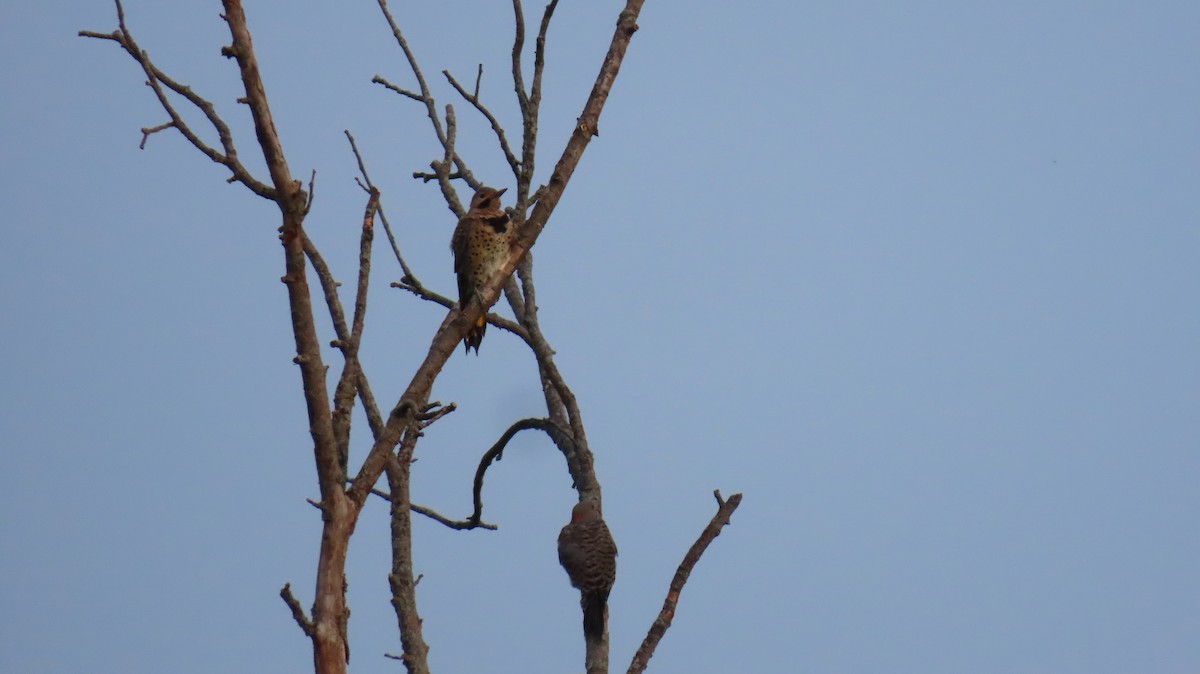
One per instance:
[(480, 245), (587, 551)]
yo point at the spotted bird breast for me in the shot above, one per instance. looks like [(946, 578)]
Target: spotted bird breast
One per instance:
[(488, 247)]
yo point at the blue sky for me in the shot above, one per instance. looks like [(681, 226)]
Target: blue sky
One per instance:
[(920, 280)]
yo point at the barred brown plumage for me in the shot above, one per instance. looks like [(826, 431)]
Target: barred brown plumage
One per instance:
[(588, 553)]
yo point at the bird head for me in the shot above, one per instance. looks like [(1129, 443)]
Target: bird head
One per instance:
[(487, 198), (585, 511)]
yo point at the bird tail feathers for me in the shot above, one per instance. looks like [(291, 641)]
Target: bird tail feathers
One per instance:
[(474, 336), (594, 605)]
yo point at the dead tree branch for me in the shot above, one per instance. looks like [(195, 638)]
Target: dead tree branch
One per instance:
[(725, 510), (454, 326), (396, 435), (348, 383), (529, 103), (473, 99), (327, 627), (496, 452), (415, 287), (156, 79), (297, 612), (368, 188), (339, 515), (329, 286), (441, 170), (402, 579), (460, 525)]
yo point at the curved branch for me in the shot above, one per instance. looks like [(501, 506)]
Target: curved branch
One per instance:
[(557, 435), (725, 510)]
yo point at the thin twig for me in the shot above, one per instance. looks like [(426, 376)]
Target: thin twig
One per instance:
[(368, 187), (379, 79), (460, 525), (531, 109), (473, 99), (725, 510), (434, 411), (431, 111), (415, 287), (156, 79)]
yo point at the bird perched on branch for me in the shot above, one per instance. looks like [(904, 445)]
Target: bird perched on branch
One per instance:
[(481, 245), (587, 551)]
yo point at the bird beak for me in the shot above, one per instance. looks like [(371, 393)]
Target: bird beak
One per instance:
[(501, 192)]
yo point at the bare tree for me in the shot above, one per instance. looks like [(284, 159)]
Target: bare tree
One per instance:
[(395, 435)]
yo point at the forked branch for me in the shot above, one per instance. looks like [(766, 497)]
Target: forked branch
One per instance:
[(473, 99), (156, 79), (454, 326), (725, 510)]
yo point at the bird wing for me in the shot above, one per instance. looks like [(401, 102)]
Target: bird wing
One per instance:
[(459, 244), (571, 555)]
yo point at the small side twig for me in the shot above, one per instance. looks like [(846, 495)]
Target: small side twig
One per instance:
[(460, 525), (415, 287), (725, 510), (297, 611), (148, 131), (378, 79)]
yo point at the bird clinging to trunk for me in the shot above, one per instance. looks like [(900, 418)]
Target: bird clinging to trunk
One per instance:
[(587, 551), (481, 245)]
